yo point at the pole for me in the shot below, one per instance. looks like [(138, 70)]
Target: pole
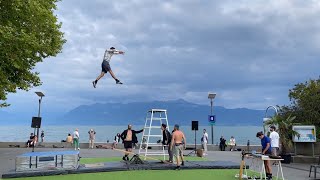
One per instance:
[(211, 125), (37, 128), (39, 116), (195, 142), (39, 106)]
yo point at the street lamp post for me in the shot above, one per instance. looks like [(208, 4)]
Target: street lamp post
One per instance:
[(266, 119), (40, 94), (211, 96)]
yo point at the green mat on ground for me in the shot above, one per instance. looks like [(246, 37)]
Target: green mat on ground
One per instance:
[(221, 174)]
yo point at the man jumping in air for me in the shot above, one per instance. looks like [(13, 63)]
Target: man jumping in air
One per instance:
[(106, 66)]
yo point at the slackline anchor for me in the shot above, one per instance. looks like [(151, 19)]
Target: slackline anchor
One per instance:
[(136, 160)]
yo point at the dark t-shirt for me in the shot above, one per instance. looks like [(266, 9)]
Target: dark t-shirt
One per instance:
[(166, 136), (264, 141)]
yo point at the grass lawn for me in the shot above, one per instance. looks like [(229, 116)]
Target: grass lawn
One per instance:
[(219, 174)]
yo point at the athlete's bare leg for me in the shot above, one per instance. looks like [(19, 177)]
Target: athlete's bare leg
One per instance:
[(100, 76), (113, 75), (126, 154)]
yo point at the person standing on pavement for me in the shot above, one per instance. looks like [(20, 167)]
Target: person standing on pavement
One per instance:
[(222, 144), (129, 136), (266, 150), (232, 143), (42, 136), (92, 137), (274, 136), (75, 137), (204, 141), (166, 140), (179, 143)]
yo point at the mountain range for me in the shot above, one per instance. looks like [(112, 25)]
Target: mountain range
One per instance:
[(179, 112)]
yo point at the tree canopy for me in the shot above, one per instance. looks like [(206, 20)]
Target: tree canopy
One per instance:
[(29, 33), (305, 103)]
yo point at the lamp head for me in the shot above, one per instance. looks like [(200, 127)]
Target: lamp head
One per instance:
[(40, 94), (211, 95)]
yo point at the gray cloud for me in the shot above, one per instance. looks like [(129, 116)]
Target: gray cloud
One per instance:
[(249, 52)]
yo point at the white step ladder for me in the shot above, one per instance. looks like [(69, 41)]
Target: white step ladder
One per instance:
[(153, 133)]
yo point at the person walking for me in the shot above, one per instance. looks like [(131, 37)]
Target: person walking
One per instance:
[(128, 136), (106, 65), (75, 137), (92, 137), (179, 142), (266, 150), (166, 140)]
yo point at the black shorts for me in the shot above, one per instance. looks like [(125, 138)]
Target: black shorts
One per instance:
[(127, 144), (105, 66)]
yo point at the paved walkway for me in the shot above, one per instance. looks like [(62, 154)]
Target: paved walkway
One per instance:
[(7, 160)]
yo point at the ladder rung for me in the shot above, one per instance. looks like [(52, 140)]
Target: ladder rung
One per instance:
[(147, 127), (152, 135), (156, 118), (154, 144)]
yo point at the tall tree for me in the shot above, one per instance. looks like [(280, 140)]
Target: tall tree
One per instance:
[(29, 33), (305, 103)]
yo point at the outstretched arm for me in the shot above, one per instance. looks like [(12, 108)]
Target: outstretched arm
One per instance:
[(115, 51), (137, 132)]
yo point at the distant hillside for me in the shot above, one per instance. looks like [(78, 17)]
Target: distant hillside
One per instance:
[(179, 111)]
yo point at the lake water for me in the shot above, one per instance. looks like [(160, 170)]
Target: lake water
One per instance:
[(104, 133)]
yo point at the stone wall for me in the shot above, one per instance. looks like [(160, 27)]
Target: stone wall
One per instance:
[(86, 145)]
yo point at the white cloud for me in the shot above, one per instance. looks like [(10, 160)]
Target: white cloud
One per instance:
[(249, 52)]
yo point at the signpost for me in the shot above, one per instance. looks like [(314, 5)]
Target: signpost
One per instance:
[(212, 119), (212, 122), (211, 96), (306, 134)]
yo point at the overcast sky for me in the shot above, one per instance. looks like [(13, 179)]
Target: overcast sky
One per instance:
[(249, 52)]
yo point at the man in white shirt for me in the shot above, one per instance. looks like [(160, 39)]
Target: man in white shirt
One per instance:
[(75, 137), (204, 141), (106, 65), (232, 143), (274, 136)]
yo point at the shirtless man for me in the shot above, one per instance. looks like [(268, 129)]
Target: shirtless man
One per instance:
[(179, 143), (129, 136)]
